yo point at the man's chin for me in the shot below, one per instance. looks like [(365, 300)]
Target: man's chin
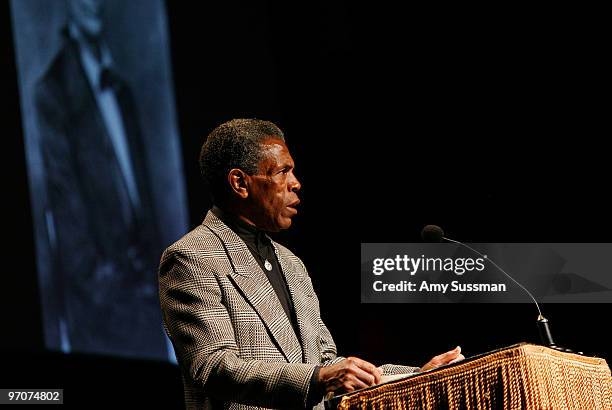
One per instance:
[(284, 223)]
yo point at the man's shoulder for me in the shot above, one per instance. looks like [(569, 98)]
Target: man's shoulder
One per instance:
[(198, 248), (60, 87), (62, 65), (198, 239)]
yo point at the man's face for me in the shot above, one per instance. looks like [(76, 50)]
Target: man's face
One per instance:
[(87, 15), (273, 190)]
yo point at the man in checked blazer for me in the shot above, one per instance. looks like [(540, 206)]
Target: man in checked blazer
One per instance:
[(240, 308)]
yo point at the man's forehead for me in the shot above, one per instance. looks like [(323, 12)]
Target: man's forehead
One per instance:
[(275, 154), (276, 149)]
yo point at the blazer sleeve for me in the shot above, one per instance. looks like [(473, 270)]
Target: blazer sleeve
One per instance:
[(329, 354), (200, 327), (389, 369)]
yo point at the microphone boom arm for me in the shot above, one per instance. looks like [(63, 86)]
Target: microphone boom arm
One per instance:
[(543, 325)]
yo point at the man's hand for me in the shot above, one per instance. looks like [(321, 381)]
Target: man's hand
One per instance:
[(449, 357), (348, 375)]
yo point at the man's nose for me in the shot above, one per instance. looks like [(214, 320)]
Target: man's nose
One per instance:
[(294, 184)]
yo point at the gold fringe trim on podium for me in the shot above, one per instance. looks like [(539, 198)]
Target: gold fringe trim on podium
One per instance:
[(523, 377)]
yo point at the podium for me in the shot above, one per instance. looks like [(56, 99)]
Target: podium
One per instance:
[(522, 376)]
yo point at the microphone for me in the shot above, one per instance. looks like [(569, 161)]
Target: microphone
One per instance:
[(433, 233)]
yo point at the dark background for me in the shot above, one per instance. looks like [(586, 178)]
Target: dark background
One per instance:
[(490, 122)]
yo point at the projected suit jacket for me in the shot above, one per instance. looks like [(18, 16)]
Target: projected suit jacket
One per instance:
[(103, 264), (234, 343)]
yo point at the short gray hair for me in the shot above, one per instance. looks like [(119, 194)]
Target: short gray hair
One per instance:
[(234, 144)]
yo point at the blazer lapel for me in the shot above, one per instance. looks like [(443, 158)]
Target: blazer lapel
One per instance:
[(301, 301), (256, 288)]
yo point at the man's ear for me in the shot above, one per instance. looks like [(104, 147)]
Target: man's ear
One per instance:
[(237, 179)]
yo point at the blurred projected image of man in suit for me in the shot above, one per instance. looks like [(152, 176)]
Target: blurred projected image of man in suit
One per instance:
[(101, 224), (240, 308)]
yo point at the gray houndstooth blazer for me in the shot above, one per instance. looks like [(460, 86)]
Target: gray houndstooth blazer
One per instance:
[(235, 345)]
